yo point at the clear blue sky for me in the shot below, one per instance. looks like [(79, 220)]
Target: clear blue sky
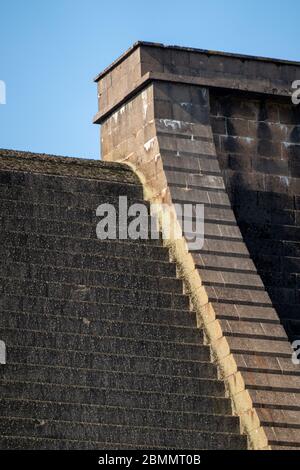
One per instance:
[(51, 49)]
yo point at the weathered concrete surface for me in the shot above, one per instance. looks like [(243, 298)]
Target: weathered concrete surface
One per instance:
[(103, 350), (235, 152), (258, 146)]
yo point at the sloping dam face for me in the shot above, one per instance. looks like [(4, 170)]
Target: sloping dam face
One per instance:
[(103, 348)]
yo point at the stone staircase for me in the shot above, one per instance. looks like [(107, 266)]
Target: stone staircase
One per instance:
[(103, 350)]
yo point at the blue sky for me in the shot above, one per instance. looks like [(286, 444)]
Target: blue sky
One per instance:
[(51, 50)]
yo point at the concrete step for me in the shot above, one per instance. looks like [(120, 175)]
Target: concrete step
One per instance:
[(71, 182), (238, 295), (246, 313), (24, 212), (112, 380), (172, 438), (97, 278), (72, 199), (121, 329), (80, 245), (283, 436), (82, 217), (67, 228), (213, 213), (107, 345), (95, 312), (97, 415), (120, 397), (219, 246), (37, 443), (230, 279), (117, 362), (83, 293), (223, 262), (280, 417), (127, 263), (19, 208), (25, 183)]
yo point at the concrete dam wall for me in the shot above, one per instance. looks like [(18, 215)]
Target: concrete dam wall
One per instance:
[(157, 342)]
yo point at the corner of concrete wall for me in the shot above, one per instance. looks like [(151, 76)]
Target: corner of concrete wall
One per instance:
[(164, 128)]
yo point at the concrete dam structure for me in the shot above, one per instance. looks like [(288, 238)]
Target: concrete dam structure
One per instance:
[(149, 343)]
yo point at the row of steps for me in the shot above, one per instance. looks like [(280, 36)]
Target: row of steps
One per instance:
[(89, 261), (120, 397), (103, 350), (97, 278), (116, 362), (93, 312), (105, 344), (88, 436), (81, 326)]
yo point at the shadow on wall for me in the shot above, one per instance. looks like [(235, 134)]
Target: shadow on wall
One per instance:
[(274, 248), (258, 144)]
